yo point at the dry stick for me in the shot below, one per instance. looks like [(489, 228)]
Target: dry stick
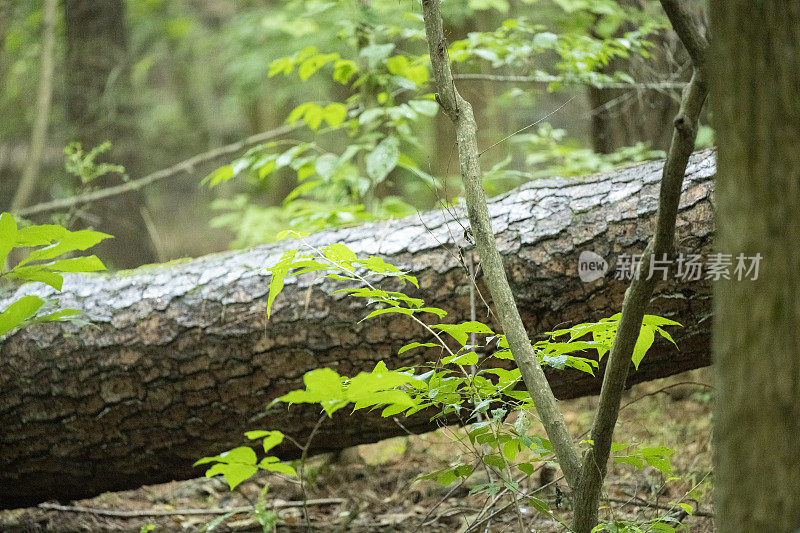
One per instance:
[(173, 512), (638, 295), (44, 98), (460, 112), (651, 505), (187, 166), (444, 498)]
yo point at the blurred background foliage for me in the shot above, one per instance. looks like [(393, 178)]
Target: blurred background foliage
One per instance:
[(593, 83)]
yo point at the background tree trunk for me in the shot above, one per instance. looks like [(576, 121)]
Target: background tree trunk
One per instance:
[(181, 356), (30, 174), (756, 76), (99, 110), (622, 118)]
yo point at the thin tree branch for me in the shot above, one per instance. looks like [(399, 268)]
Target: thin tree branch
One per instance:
[(690, 30), (460, 112), (44, 99), (187, 166), (637, 297), (657, 85)]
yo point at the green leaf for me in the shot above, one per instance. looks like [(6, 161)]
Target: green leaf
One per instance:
[(397, 65), (89, 263), (393, 309), (278, 277), (653, 320), (339, 253), (69, 242), (526, 468), (441, 313), (375, 53), (38, 273), (40, 235), (273, 464), (379, 266), (242, 454), (383, 159), (634, 460), (558, 361), (54, 317), (467, 359), (643, 343), (413, 345), (370, 115), (495, 461), (503, 354), (335, 114), (314, 63), (313, 116), (511, 449), (298, 112), (323, 386), (271, 438), (234, 473), (425, 107), (539, 505), (236, 465), (218, 176), (343, 70), (19, 311), (256, 434), (283, 64), (8, 236), (461, 332), (265, 169)]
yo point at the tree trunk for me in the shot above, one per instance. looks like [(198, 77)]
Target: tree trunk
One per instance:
[(99, 110), (756, 76), (180, 357)]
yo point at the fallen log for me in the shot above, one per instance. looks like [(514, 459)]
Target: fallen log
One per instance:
[(180, 357)]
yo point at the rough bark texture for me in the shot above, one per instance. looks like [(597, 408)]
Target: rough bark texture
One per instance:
[(181, 356), (756, 336)]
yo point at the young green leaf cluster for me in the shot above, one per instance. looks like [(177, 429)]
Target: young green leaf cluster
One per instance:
[(43, 264), (464, 381)]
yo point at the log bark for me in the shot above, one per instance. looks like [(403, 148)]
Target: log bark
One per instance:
[(180, 358)]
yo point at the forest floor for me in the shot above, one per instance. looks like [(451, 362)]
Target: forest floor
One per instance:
[(374, 487)]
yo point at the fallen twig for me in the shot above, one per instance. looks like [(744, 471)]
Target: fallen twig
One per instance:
[(173, 512), (642, 503)]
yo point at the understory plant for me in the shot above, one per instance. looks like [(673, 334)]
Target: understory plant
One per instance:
[(41, 250), (468, 380)]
